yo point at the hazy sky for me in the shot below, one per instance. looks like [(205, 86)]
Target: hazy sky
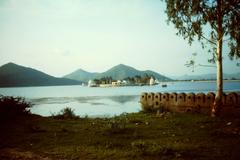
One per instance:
[(60, 36)]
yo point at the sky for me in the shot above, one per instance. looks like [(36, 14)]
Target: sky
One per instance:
[(61, 36)]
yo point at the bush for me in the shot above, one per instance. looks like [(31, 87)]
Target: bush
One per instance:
[(66, 113), (11, 107)]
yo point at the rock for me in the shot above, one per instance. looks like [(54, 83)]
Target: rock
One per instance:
[(202, 126), (229, 123)]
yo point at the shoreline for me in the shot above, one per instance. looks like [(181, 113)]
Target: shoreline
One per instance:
[(238, 80), (29, 86), (160, 83)]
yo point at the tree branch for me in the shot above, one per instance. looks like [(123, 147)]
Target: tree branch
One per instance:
[(206, 65), (208, 40)]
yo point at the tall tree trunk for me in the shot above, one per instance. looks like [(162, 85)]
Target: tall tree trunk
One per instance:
[(218, 99)]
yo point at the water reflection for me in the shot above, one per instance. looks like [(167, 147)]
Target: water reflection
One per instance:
[(101, 101), (92, 100), (50, 100), (123, 99), (98, 103), (93, 106)]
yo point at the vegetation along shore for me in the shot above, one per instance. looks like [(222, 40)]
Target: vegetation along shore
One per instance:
[(128, 136)]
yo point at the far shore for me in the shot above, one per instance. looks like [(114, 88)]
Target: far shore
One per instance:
[(227, 80), (164, 82), (160, 83)]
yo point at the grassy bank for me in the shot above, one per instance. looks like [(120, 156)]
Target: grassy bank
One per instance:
[(131, 136)]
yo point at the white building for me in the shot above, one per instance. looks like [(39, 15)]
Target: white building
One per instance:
[(124, 82), (91, 83), (152, 81)]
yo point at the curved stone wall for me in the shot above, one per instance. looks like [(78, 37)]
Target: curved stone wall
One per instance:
[(184, 102)]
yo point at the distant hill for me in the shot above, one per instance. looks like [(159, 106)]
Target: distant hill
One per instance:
[(118, 72), (13, 75), (210, 76), (81, 75)]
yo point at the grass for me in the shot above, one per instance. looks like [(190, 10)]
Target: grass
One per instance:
[(128, 136)]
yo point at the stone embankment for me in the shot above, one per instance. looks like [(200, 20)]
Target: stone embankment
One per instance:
[(190, 102)]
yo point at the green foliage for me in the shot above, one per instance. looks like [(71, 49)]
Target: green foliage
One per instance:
[(144, 79), (209, 21), (193, 17), (103, 80), (12, 107), (106, 80), (146, 136), (66, 113)]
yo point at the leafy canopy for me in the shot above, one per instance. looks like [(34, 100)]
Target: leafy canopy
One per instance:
[(192, 17)]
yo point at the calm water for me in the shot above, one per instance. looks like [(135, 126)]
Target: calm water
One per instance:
[(96, 102)]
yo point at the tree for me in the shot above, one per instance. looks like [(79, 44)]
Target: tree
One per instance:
[(193, 18), (137, 79), (97, 81)]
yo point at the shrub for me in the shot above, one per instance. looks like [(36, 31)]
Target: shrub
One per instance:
[(11, 107), (66, 113)]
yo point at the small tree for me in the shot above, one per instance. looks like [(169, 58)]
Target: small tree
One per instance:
[(13, 107), (222, 17)]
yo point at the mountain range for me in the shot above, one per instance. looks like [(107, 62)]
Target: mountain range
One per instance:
[(118, 72), (13, 75)]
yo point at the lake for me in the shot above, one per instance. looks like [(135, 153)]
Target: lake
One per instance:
[(101, 102)]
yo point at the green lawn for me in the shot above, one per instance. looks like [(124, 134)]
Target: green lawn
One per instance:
[(131, 136)]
